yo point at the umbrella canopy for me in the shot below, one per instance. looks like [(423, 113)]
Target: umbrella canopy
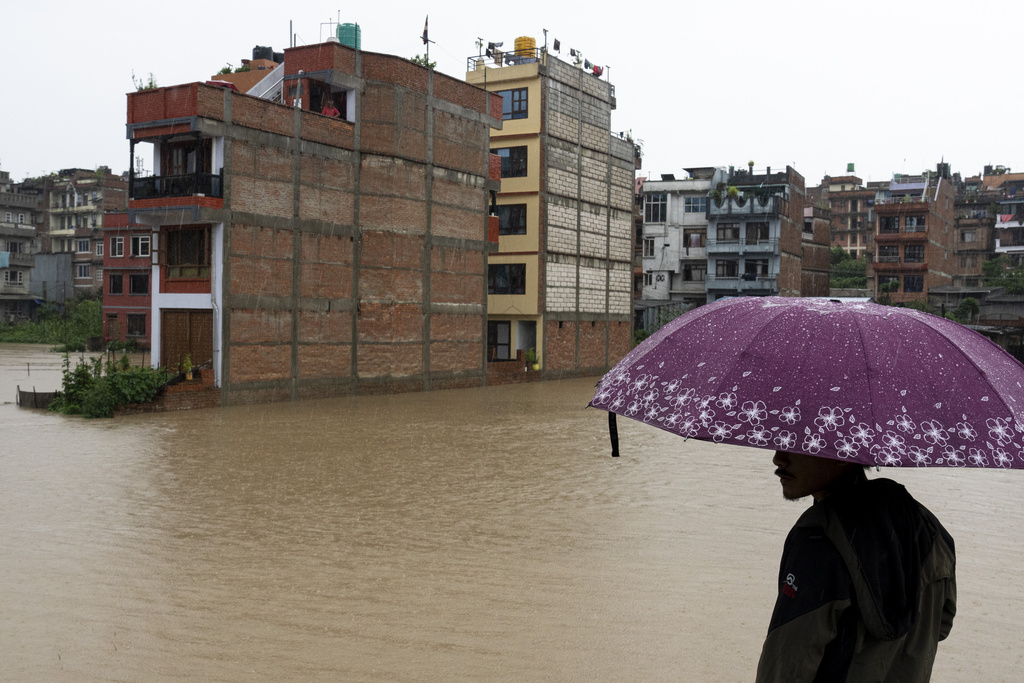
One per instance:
[(858, 382)]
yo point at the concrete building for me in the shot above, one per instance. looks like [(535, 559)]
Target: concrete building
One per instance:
[(301, 255), (75, 202), (759, 243), (18, 247), (675, 235), (1006, 191), (561, 280), (914, 236)]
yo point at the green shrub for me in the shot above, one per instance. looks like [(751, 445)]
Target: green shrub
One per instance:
[(86, 391)]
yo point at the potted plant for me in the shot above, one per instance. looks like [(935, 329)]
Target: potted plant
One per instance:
[(186, 366), (531, 359)]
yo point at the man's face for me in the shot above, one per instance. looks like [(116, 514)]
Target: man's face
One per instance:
[(805, 475)]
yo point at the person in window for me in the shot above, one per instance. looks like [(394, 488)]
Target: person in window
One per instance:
[(867, 583), (329, 108)]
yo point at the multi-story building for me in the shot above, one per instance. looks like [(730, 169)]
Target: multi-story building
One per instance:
[(17, 249), (75, 202), (914, 236), (974, 235), (127, 280), (850, 204), (675, 234), (561, 280), (1006, 191), (300, 255), (758, 242)]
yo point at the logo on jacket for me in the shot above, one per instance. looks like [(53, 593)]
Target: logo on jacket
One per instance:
[(789, 587)]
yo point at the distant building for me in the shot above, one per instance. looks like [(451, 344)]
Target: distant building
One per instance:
[(914, 236), (758, 243), (561, 279), (18, 247), (675, 237), (850, 204)]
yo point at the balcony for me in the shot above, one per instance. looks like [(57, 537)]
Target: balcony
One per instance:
[(189, 185), (912, 235), (897, 266), (742, 246), (21, 259), (743, 283)]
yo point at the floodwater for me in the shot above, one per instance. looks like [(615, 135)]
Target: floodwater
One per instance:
[(470, 535)]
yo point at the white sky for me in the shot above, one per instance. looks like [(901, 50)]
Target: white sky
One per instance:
[(892, 86)]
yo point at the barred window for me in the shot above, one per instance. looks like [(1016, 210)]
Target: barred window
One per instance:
[(188, 253)]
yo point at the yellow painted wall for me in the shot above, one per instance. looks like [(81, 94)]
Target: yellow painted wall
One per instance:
[(530, 241), (515, 304)]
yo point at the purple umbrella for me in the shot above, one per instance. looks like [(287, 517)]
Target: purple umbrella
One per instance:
[(858, 382)]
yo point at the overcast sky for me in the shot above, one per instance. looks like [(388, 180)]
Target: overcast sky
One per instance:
[(892, 86)]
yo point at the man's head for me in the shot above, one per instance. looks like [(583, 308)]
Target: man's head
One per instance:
[(805, 475)]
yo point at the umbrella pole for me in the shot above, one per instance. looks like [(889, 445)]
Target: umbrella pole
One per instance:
[(613, 432)]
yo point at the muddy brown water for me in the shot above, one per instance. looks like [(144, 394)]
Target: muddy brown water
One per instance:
[(471, 535)]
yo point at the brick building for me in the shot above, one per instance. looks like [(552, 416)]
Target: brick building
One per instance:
[(561, 280), (850, 204), (914, 236), (127, 279), (759, 241), (300, 255)]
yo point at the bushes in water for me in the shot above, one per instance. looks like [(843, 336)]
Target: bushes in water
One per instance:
[(88, 390)]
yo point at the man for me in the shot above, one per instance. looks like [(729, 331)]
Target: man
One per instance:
[(867, 586)]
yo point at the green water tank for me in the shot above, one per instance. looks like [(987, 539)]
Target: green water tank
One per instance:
[(350, 36)]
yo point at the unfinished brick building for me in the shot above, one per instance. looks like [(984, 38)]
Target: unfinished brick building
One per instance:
[(301, 255)]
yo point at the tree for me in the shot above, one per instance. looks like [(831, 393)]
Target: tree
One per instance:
[(1001, 272), (847, 272), (423, 61)]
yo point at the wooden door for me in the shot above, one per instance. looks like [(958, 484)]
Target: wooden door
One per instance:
[(186, 332)]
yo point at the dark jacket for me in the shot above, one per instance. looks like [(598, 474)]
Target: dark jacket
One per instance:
[(867, 589)]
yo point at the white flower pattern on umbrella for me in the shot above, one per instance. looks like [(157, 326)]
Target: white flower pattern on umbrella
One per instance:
[(785, 440), (934, 433), (966, 432), (830, 418), (790, 415), (919, 456), (727, 401), (813, 443), (847, 447), (753, 412), (1000, 430), (720, 431), (905, 424), (759, 436)]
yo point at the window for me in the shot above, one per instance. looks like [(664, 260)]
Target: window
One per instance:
[(695, 272), (914, 223), (888, 253), (968, 236), (757, 233), (889, 283), (138, 283), (968, 260), (117, 246), (140, 245), (648, 279), (648, 247), (728, 232), (913, 283), (99, 248), (694, 239), (136, 325), (724, 268), (14, 277), (499, 340), (188, 253), (889, 224), (116, 283), (512, 219), (21, 218), (83, 270), (655, 205), (513, 161), (506, 278), (83, 247), (15, 247), (695, 204), (7, 217), (513, 103), (913, 253)]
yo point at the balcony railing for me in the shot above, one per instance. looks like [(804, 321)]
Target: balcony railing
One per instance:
[(741, 246), (743, 282), (749, 206), (189, 185)]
